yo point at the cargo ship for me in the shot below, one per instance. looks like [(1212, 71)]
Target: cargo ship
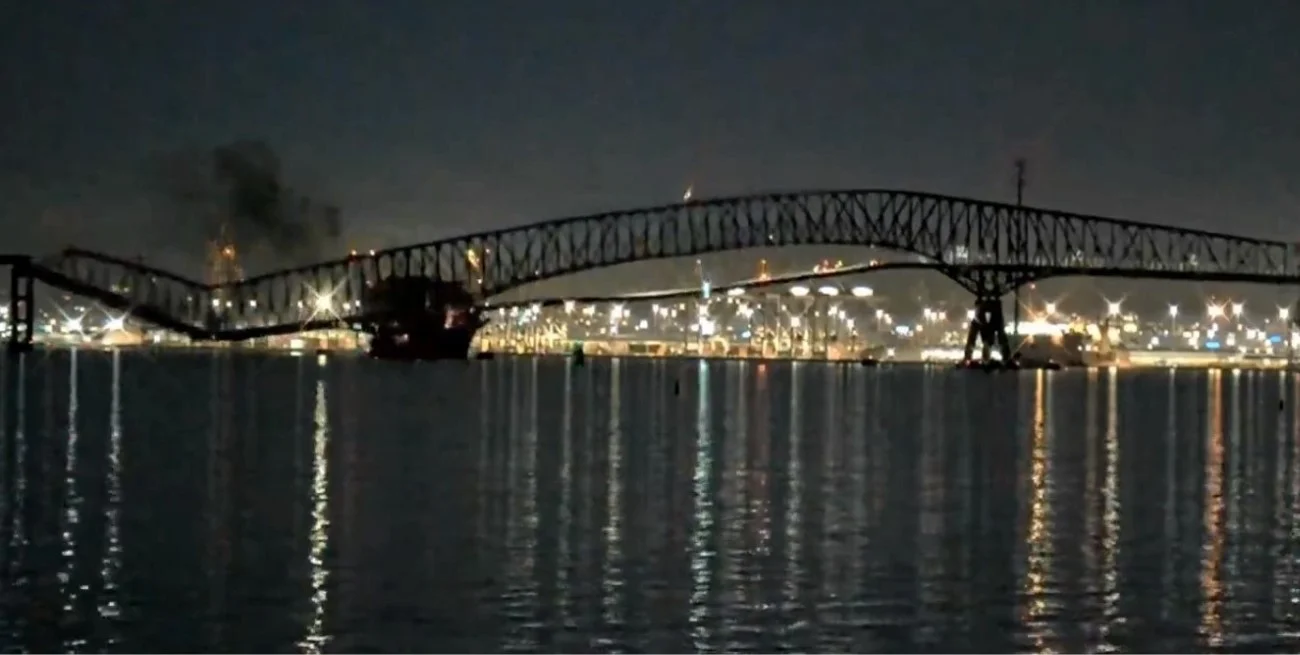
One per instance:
[(419, 319), (1069, 349)]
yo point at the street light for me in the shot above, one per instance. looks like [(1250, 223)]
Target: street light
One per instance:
[(1112, 308), (1238, 309), (1173, 320), (1214, 311), (798, 292), (1050, 308), (1284, 315), (862, 292)]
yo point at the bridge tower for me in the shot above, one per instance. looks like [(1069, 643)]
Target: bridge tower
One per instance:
[(988, 326), (988, 323)]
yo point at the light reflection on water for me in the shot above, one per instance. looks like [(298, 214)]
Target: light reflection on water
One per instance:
[(265, 504)]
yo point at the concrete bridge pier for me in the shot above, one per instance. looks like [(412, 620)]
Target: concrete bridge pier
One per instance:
[(988, 327), (22, 307)]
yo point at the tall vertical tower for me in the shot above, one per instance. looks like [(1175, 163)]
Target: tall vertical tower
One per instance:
[(223, 257)]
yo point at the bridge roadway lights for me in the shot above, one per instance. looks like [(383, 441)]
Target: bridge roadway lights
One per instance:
[(989, 327)]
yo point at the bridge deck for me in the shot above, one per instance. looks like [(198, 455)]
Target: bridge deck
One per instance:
[(988, 248)]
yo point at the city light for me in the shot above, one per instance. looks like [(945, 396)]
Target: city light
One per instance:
[(758, 324), (322, 303)]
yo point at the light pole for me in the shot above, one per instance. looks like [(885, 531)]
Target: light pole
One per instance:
[(827, 292), (1284, 315), (1173, 321)]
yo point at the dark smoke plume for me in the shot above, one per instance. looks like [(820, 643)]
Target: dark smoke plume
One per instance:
[(240, 186)]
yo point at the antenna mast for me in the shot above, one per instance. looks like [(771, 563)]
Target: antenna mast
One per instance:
[(1020, 182), (1019, 244)]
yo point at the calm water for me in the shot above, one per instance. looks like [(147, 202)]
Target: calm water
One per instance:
[(264, 504)]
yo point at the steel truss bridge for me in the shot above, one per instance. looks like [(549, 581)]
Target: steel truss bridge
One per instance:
[(988, 248)]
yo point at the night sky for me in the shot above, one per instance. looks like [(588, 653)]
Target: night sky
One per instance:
[(423, 119)]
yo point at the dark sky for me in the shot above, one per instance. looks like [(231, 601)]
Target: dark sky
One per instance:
[(425, 118)]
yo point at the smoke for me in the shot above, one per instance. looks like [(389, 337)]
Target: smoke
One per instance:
[(239, 187)]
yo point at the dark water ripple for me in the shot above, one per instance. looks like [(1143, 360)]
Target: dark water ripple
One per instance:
[(268, 504)]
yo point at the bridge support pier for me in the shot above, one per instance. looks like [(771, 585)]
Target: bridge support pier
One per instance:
[(988, 326), (22, 306)]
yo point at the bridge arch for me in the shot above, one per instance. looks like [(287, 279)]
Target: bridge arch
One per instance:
[(987, 247), (947, 230)]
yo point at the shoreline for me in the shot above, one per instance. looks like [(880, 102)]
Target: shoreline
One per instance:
[(1250, 364)]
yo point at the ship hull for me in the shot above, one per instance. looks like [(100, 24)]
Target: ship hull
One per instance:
[(426, 346), (420, 319)]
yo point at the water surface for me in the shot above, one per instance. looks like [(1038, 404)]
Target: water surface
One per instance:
[(267, 503)]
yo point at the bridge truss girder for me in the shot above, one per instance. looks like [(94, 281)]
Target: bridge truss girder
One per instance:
[(988, 248)]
